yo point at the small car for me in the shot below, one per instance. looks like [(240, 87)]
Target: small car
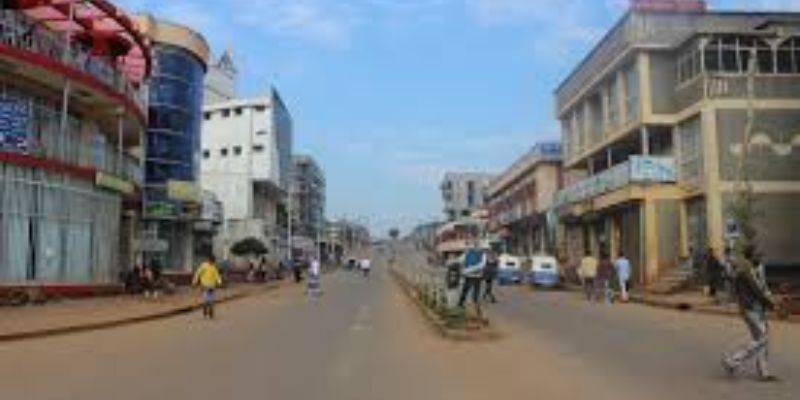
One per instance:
[(510, 270), (544, 271)]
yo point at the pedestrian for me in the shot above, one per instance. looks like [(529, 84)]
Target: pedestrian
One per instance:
[(588, 273), (297, 270), (366, 266), (713, 272), (490, 275), (605, 273), (209, 279), (623, 268), (754, 300), (472, 271), (314, 278)]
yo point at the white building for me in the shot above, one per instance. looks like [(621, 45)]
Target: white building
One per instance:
[(246, 162), (220, 80)]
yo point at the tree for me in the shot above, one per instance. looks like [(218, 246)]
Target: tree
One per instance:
[(249, 247), (394, 233)]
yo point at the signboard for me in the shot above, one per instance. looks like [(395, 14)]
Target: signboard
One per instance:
[(111, 182), (653, 169), (161, 209), (184, 191), (14, 122)]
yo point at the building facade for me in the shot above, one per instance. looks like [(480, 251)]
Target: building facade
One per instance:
[(172, 196), (521, 196), (307, 207), (72, 123), (463, 193), (220, 81), (246, 162), (654, 125)]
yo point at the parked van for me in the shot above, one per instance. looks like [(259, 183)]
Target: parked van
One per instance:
[(509, 270), (544, 271)]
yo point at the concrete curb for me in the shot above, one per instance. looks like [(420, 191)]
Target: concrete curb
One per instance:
[(689, 307), (113, 323), (438, 325)]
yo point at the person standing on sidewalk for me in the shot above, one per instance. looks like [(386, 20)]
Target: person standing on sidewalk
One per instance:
[(208, 278), (623, 268), (713, 272), (474, 263), (490, 275), (754, 299), (588, 273), (605, 272), (314, 278)]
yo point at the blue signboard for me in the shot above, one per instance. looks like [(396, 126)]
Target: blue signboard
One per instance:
[(14, 123)]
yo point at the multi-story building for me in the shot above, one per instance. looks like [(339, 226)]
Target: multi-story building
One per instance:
[(220, 82), (654, 122), (246, 162), (307, 206), (463, 193), (519, 198), (172, 196), (72, 123)]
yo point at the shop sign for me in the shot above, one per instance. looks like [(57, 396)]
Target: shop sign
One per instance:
[(161, 209), (14, 121), (113, 183), (653, 169), (184, 191)]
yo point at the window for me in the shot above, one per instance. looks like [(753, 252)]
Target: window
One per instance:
[(238, 111), (237, 150), (223, 152), (613, 104), (632, 93), (789, 56), (207, 116), (206, 154), (732, 54), (261, 133), (261, 108), (258, 148), (689, 64), (226, 113), (691, 147)]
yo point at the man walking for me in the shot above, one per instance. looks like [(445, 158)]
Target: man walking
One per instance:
[(489, 276), (623, 268), (588, 273), (754, 299), (605, 272), (208, 277), (474, 263)]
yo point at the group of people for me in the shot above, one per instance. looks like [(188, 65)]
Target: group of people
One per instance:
[(603, 275), (364, 265), (479, 267), (145, 278)]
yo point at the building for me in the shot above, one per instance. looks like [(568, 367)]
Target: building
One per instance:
[(246, 162), (307, 206), (653, 123), (521, 196), (345, 239), (463, 193), (172, 196), (72, 123), (220, 82)]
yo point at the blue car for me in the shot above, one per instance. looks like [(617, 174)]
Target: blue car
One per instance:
[(544, 272)]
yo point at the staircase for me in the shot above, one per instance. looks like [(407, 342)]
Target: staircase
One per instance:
[(672, 280)]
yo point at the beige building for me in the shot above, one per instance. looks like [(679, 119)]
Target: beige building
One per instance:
[(653, 121), (519, 198)]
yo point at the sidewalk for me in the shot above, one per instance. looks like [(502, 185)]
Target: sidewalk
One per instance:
[(104, 312)]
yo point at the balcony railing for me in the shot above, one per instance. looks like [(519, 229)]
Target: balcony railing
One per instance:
[(17, 30), (637, 170)]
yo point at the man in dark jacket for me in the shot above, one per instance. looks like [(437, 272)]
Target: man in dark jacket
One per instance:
[(754, 300), (490, 275)]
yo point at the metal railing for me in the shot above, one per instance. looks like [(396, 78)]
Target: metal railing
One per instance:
[(18, 30)]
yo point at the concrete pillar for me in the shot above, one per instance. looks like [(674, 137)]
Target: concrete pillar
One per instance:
[(714, 211), (650, 241), (684, 229), (644, 133)]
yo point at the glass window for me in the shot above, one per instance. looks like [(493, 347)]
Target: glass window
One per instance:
[(226, 113), (238, 111), (206, 153), (223, 152), (237, 150), (632, 93), (257, 148)]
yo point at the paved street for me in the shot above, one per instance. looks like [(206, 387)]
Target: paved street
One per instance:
[(364, 341)]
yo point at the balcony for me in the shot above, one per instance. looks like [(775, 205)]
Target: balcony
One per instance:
[(637, 170), (20, 32)]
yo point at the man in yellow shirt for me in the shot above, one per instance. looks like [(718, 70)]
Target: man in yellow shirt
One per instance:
[(208, 277), (588, 274)]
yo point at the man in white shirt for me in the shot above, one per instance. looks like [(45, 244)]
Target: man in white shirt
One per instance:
[(366, 266)]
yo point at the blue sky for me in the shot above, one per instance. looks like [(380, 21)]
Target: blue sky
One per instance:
[(389, 94)]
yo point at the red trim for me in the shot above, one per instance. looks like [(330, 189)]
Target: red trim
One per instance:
[(48, 164), (72, 73)]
